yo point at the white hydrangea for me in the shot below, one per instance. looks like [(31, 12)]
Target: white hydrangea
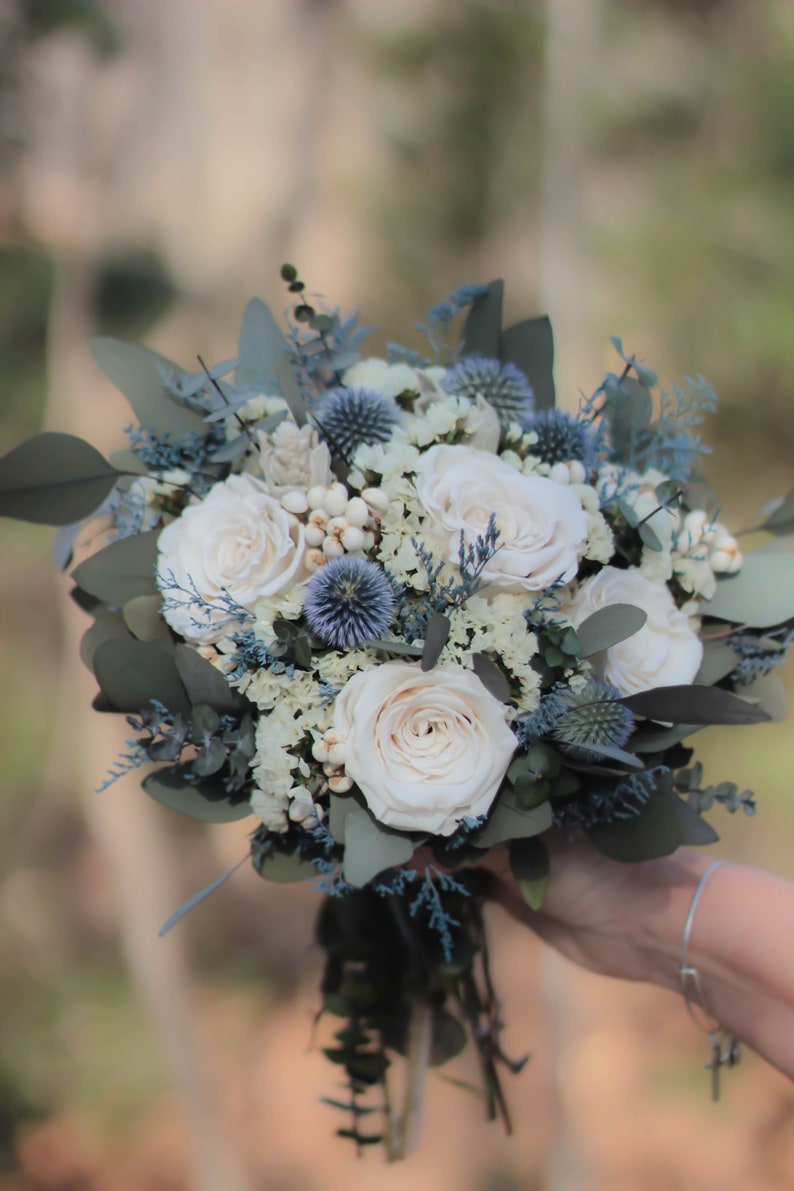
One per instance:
[(336, 667), (390, 380), (497, 625)]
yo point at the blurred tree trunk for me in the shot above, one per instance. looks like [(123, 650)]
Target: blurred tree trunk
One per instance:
[(571, 35)]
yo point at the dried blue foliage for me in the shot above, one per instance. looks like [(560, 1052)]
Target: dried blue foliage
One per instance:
[(322, 348), (760, 653), (503, 386), (348, 601), (604, 802), (189, 452), (253, 654), (348, 418), (533, 728), (440, 316), (670, 441), (473, 557), (130, 513), (222, 612), (429, 899)]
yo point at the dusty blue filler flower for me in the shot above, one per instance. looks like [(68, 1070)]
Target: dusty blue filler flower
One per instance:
[(348, 601), (502, 385), (562, 437), (593, 716), (349, 417)]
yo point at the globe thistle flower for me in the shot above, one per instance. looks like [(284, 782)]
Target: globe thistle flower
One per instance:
[(349, 418), (502, 385), (562, 438), (347, 602), (592, 716)]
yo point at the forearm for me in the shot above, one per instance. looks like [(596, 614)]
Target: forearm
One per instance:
[(740, 943)]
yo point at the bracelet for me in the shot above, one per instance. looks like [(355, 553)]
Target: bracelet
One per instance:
[(725, 1048)]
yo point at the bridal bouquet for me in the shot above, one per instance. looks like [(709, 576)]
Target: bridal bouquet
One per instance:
[(397, 612)]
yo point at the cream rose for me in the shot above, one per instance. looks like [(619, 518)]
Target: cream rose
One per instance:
[(426, 749), (542, 525), (665, 651), (238, 539)]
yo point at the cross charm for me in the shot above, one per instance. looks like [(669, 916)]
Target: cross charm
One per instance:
[(725, 1052)]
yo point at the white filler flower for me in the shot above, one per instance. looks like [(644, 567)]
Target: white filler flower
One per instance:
[(542, 525), (426, 749), (665, 651), (237, 539)]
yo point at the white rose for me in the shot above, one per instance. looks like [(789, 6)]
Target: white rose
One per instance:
[(293, 459), (541, 524), (426, 749), (665, 651), (238, 539)]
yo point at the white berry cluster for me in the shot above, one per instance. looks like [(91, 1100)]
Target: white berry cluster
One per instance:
[(329, 750), (336, 523)]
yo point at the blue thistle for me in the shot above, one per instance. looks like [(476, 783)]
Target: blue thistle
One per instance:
[(502, 385), (348, 601), (562, 437), (592, 716), (348, 418)]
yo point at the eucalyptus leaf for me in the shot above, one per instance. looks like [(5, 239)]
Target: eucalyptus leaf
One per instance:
[(649, 739), (491, 677), (436, 637), (649, 537), (695, 830), (63, 546), (204, 800), (340, 806), (655, 831), (210, 759), (286, 868), (449, 1038), (107, 624), (369, 848), (482, 329), (529, 345), (131, 673), (128, 461), (121, 571), (529, 864), (139, 373), (619, 756), (761, 595), (231, 450), (718, 662), (54, 479), (197, 898), (510, 821), (143, 617), (768, 692), (693, 705), (608, 626), (781, 519), (205, 684), (397, 647), (261, 346), (291, 390)]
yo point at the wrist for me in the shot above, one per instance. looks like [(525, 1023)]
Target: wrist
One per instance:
[(658, 918)]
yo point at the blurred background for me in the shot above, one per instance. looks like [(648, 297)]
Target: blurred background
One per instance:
[(627, 166)]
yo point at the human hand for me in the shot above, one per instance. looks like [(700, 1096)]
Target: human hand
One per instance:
[(606, 916)]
